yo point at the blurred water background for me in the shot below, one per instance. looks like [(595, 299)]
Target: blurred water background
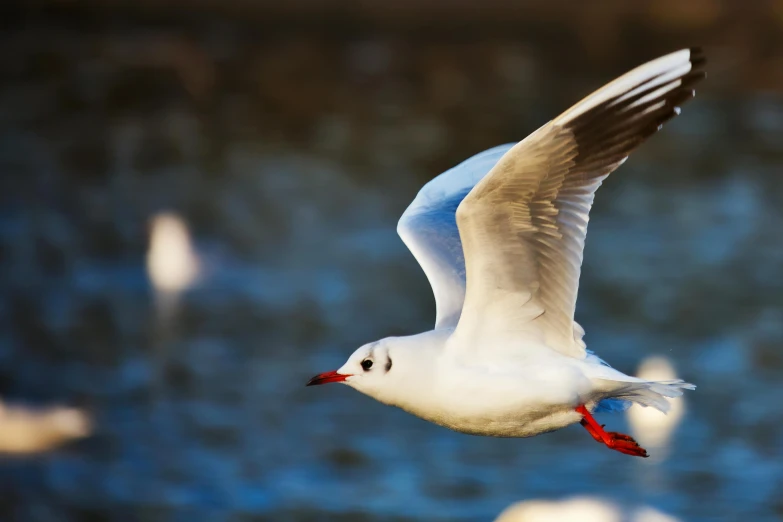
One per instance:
[(198, 204)]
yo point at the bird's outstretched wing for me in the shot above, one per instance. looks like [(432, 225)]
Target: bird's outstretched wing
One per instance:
[(429, 228), (523, 225)]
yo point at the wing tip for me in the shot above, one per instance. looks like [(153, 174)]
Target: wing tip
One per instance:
[(697, 57), (617, 121), (684, 65)]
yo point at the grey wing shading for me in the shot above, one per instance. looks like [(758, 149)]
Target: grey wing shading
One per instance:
[(523, 225), (428, 228)]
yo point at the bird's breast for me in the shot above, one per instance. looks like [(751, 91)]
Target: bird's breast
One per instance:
[(517, 403)]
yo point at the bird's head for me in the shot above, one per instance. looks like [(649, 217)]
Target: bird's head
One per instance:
[(366, 370)]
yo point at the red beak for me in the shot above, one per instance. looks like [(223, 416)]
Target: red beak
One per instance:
[(327, 377)]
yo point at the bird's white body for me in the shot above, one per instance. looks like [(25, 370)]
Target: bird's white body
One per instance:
[(531, 392), (500, 238), (503, 398)]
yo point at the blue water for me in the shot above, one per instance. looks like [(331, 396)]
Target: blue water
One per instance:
[(293, 208)]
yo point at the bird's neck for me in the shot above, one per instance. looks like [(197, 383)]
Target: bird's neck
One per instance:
[(411, 378)]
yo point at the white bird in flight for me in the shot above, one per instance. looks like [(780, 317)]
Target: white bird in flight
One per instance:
[(500, 238)]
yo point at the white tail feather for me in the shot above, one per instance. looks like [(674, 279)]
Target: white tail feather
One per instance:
[(653, 393)]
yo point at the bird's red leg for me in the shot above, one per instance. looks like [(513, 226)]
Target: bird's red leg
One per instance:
[(613, 440)]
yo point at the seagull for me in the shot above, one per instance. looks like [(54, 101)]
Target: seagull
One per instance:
[(500, 239)]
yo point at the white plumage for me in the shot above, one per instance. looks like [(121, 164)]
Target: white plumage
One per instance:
[(500, 238)]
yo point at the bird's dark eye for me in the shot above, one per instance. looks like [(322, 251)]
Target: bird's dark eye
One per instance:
[(366, 364)]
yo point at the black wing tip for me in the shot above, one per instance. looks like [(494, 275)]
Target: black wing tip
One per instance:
[(618, 125), (697, 57)]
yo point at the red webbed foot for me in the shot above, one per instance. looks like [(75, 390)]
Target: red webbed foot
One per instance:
[(613, 440)]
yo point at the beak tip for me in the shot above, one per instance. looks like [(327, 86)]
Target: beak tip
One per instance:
[(324, 378)]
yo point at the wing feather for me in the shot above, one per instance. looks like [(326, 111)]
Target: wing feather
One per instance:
[(523, 225), (428, 228)]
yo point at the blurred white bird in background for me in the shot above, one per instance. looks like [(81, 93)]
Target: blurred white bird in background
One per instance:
[(172, 267), (172, 262), (26, 431), (651, 426), (579, 509)]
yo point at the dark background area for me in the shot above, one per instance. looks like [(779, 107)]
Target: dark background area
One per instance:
[(289, 137)]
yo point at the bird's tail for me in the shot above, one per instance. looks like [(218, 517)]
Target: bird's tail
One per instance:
[(652, 393)]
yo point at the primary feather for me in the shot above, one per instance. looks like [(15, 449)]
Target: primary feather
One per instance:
[(523, 225)]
